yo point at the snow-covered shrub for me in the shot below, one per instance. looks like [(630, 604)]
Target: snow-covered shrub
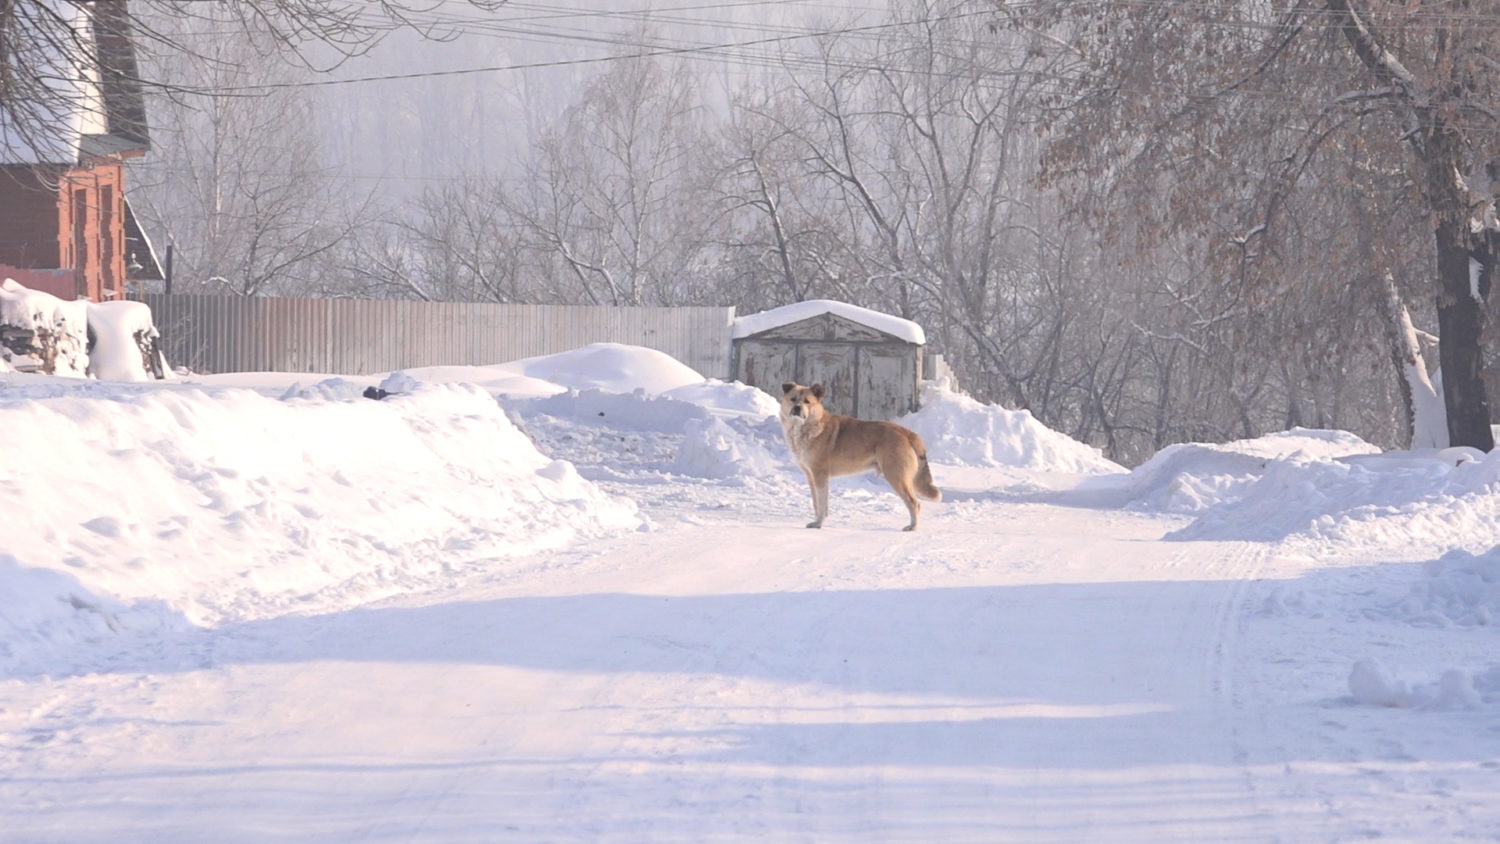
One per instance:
[(124, 345), (42, 333)]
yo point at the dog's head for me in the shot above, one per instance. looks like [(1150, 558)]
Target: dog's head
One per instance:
[(799, 402)]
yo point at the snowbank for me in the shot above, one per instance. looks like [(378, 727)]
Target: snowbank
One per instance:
[(131, 510), (959, 430), (612, 367), (726, 399), (1425, 502), (1321, 491), (713, 448), (1194, 477), (1458, 592), (710, 430), (1459, 589)]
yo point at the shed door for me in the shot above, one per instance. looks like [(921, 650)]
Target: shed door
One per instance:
[(887, 382), (767, 365), (832, 365)]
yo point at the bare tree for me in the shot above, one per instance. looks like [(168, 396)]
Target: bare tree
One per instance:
[(236, 182), (1220, 112), (611, 196)]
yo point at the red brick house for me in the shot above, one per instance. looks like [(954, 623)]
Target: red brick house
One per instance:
[(65, 226)]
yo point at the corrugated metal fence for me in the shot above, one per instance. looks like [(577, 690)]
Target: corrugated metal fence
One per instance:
[(365, 336)]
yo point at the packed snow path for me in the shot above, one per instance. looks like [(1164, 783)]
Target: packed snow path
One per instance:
[(1025, 668)]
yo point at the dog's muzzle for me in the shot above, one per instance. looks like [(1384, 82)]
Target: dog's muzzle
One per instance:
[(796, 410)]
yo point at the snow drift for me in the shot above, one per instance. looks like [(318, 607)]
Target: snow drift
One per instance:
[(959, 430), (133, 510)]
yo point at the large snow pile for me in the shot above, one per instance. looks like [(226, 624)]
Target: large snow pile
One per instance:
[(1320, 489), (959, 430), (1424, 502), (711, 429), (724, 449), (131, 510), (612, 367), (41, 332), (1193, 477)]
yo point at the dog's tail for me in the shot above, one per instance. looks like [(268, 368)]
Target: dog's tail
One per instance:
[(923, 481)]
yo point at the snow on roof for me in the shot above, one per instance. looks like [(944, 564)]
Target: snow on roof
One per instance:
[(895, 326), (51, 132)]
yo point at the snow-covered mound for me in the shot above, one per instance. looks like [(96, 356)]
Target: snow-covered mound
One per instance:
[(612, 367), (132, 510), (727, 398), (497, 380), (1459, 589), (629, 411), (1331, 490), (1193, 477), (1371, 684), (959, 430), (710, 430), (714, 448)]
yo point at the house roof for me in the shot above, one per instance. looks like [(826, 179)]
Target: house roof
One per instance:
[(88, 99), (902, 329)]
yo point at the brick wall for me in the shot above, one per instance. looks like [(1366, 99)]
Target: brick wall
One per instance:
[(70, 219), (60, 283), (29, 236), (90, 197)]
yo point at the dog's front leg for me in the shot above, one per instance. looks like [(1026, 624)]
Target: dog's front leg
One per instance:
[(818, 481)]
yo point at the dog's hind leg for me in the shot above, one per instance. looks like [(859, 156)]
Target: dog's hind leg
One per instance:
[(899, 470), (902, 486)]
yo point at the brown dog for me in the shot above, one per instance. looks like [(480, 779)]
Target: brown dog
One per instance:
[(827, 445)]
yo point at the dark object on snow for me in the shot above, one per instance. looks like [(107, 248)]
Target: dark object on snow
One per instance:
[(375, 393)]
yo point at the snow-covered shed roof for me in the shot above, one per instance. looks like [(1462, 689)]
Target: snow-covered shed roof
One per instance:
[(903, 329)]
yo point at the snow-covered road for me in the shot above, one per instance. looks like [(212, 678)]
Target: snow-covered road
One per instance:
[(1019, 670)]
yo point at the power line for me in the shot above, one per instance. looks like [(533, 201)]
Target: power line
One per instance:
[(651, 52)]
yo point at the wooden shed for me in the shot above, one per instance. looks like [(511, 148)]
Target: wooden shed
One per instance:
[(870, 362)]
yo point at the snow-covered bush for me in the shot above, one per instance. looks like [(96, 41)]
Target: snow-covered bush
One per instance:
[(124, 344), (113, 340), (42, 333)]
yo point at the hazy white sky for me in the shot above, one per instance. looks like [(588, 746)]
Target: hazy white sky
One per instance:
[(503, 75)]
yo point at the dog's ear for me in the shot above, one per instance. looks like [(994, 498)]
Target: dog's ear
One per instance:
[(787, 387), (817, 390)]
